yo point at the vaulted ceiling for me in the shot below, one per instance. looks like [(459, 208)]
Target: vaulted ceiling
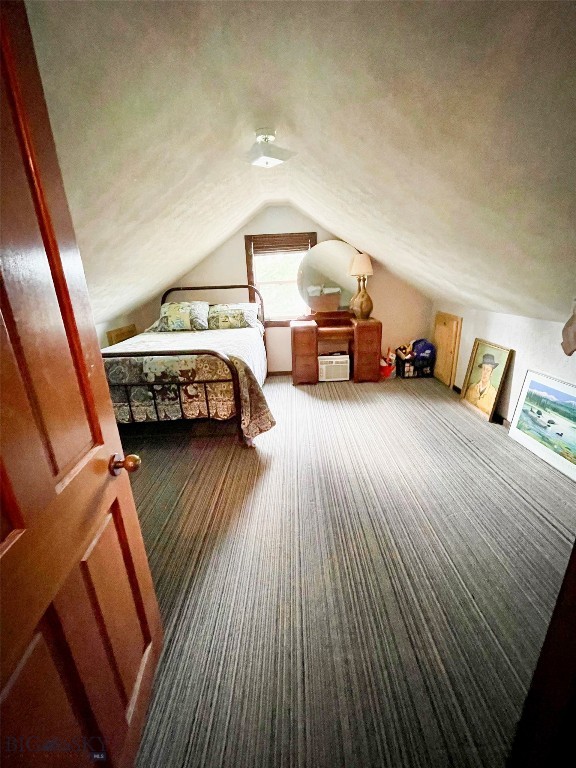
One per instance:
[(439, 137)]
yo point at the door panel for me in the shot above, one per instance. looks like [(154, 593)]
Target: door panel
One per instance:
[(38, 721), (115, 606), (56, 400), (86, 639), (30, 491), (447, 341), (6, 501), (81, 631)]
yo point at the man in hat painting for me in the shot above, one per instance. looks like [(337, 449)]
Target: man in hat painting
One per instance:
[(483, 393)]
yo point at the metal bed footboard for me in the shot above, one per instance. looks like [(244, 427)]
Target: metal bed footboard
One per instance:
[(181, 352), (252, 290)]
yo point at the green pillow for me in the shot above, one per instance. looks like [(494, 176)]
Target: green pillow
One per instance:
[(183, 316)]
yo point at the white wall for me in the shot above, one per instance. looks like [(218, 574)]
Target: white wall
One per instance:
[(404, 311), (142, 317), (536, 345), (227, 264)]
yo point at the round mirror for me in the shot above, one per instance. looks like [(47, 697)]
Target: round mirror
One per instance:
[(324, 281)]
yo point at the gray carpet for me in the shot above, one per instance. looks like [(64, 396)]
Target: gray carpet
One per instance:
[(369, 587)]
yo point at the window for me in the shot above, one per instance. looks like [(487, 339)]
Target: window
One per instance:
[(272, 263)]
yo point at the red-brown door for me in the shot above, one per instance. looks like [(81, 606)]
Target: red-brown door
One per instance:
[(81, 630)]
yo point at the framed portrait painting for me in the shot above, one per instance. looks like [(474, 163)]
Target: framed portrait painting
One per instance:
[(545, 420), (485, 375)]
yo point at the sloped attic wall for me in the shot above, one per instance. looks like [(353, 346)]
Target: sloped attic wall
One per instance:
[(438, 137), (404, 311)]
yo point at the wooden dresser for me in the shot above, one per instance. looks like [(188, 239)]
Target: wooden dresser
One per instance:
[(363, 339)]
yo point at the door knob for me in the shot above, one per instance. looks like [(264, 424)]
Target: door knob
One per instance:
[(130, 463)]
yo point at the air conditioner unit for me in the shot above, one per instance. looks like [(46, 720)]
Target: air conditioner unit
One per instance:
[(333, 367)]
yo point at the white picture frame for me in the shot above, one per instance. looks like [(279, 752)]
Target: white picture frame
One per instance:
[(544, 420)]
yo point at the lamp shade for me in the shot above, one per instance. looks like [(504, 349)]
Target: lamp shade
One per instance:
[(361, 265)]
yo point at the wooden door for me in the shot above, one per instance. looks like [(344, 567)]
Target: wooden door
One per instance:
[(447, 341), (81, 630)]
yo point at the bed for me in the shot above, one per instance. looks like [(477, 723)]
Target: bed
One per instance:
[(198, 361)]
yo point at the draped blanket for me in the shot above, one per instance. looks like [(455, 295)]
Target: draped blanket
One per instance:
[(158, 387)]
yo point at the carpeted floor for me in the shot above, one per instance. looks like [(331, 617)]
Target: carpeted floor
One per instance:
[(369, 587)]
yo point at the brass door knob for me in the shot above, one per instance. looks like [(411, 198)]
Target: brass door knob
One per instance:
[(130, 463)]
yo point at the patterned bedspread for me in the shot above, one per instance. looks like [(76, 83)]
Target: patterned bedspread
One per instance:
[(157, 387)]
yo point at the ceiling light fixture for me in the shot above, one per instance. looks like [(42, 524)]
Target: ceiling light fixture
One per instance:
[(264, 153)]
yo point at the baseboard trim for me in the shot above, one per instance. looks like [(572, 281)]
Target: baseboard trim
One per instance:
[(279, 373)]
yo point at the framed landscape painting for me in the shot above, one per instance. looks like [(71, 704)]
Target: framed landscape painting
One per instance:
[(545, 420), (485, 376)]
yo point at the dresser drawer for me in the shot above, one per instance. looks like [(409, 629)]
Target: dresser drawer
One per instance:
[(305, 369), (304, 339)]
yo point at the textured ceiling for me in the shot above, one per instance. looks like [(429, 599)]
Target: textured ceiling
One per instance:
[(439, 137)]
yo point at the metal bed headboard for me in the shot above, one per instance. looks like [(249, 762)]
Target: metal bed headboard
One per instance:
[(217, 287)]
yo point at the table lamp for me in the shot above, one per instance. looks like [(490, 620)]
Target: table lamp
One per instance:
[(361, 303)]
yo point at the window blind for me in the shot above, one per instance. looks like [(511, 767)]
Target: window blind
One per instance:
[(286, 242), (292, 241)]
